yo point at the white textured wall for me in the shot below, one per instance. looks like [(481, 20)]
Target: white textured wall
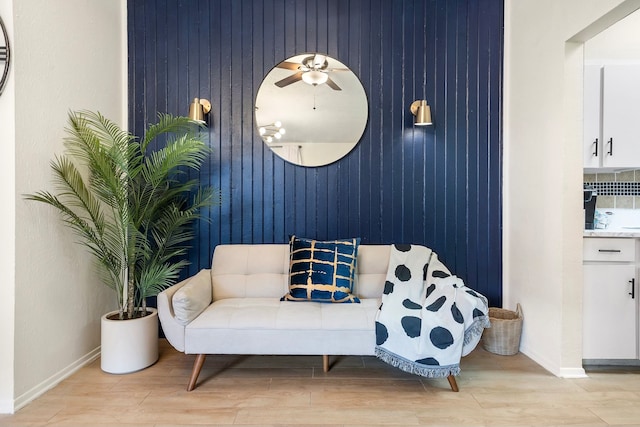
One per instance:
[(621, 42), (7, 226), (543, 174), (69, 55)]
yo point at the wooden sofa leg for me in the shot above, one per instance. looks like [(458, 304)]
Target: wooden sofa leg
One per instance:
[(453, 383), (325, 362), (197, 367)]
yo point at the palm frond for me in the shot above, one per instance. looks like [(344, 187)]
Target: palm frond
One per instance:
[(166, 162), (134, 209), (73, 190), (157, 277), (105, 254), (168, 124)]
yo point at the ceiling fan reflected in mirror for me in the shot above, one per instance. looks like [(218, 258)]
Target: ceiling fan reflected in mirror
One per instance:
[(313, 70), (314, 136)]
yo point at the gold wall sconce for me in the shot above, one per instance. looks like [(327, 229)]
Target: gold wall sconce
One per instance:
[(422, 113), (198, 108)]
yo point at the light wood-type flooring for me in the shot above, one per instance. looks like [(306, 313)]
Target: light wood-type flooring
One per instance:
[(357, 391)]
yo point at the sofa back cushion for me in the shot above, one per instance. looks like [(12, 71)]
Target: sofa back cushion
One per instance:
[(240, 271), (262, 270), (371, 271)]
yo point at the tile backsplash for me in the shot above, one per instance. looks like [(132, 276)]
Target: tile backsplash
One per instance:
[(619, 190)]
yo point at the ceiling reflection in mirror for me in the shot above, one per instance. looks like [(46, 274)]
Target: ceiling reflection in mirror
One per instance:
[(311, 110)]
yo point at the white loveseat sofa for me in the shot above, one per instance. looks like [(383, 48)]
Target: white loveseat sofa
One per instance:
[(235, 308)]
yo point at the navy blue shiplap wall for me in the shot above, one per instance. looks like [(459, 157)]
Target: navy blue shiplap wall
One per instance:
[(439, 186)]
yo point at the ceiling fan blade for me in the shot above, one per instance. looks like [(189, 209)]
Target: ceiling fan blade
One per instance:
[(288, 65), (332, 84), (288, 80)]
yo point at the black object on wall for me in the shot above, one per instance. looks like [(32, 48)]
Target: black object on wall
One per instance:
[(438, 186)]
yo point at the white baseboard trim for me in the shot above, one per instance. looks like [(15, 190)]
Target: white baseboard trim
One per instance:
[(556, 370), (54, 380), (572, 373), (6, 407), (545, 363)]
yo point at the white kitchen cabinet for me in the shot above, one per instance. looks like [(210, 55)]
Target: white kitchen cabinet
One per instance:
[(610, 323), (592, 138), (611, 116)]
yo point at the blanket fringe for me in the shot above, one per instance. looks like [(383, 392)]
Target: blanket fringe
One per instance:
[(416, 368), (476, 328)]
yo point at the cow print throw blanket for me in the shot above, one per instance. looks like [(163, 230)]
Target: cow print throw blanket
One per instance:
[(428, 318)]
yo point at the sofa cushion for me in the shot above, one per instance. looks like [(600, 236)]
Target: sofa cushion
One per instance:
[(270, 326), (371, 274), (322, 271), (191, 299), (260, 270)]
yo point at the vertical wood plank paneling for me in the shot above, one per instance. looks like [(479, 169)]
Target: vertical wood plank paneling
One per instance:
[(452, 143), (459, 252), (474, 184), (352, 58), (384, 96), (415, 89), (441, 129), (173, 67), (136, 61), (215, 120), (432, 82), (494, 152), (223, 22), (234, 45), (258, 163), (439, 186), (396, 124), (251, 161), (204, 228), (150, 65), (483, 139), (406, 146), (160, 51)]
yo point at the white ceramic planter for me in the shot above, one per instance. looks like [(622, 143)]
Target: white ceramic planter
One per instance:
[(129, 345)]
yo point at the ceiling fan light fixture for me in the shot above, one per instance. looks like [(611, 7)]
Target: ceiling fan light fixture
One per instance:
[(314, 77), (271, 131)]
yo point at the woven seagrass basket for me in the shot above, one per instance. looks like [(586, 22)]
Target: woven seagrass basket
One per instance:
[(503, 337)]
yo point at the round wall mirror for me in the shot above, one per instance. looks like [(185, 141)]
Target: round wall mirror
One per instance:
[(311, 110)]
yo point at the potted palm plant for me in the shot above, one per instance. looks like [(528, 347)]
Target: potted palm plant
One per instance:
[(132, 204)]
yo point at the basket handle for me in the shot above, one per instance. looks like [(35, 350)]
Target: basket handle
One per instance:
[(518, 310)]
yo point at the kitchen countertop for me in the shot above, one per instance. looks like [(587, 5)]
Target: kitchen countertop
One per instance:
[(622, 223), (611, 233)]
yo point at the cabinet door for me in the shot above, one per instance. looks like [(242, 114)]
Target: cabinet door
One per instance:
[(591, 112), (621, 115), (609, 312)]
